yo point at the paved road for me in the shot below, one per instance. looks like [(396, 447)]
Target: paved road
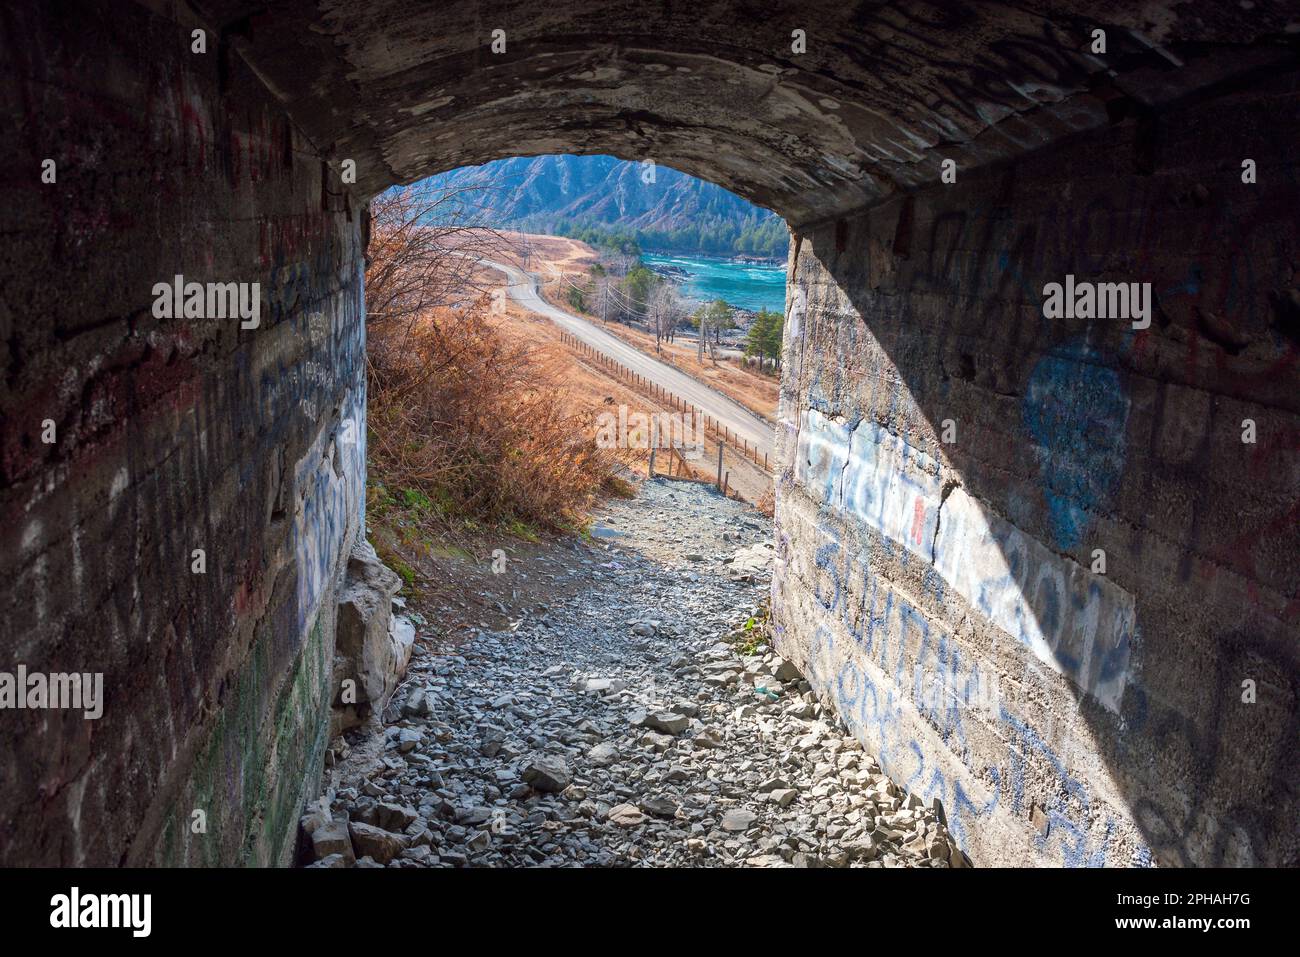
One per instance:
[(742, 422)]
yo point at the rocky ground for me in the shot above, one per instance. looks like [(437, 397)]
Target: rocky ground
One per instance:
[(633, 720)]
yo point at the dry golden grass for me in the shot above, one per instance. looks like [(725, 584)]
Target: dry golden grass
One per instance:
[(589, 389), (470, 423)]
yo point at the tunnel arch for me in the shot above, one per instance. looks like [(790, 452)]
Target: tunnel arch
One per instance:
[(880, 95), (921, 307)]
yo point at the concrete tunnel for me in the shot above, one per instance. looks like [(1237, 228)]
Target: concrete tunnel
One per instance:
[(953, 456)]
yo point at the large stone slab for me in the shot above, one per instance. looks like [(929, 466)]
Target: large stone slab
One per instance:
[(372, 646)]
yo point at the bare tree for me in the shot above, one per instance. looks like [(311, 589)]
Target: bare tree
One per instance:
[(711, 316), (665, 310), (619, 264), (422, 254), (424, 247)]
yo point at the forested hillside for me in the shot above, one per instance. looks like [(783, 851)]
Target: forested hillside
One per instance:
[(603, 199)]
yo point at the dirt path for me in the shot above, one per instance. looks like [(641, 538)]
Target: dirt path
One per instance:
[(608, 722)]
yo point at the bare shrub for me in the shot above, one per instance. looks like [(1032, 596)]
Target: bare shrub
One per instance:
[(423, 249), (478, 428), (465, 426)]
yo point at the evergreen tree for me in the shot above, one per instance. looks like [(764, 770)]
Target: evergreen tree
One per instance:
[(764, 337)]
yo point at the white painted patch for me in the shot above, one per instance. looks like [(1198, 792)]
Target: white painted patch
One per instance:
[(32, 533), (121, 479), (873, 475), (1078, 623), (329, 502)]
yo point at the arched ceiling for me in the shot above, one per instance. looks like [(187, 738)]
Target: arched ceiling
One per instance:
[(883, 93)]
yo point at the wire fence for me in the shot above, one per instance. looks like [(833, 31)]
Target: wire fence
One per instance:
[(722, 433)]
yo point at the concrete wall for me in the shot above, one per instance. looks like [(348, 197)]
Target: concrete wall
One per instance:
[(942, 595), (171, 435)]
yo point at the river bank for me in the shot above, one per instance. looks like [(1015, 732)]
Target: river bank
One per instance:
[(743, 285)]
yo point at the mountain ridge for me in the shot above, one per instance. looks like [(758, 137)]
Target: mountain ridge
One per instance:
[(662, 208)]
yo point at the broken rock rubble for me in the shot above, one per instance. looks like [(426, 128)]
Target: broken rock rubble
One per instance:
[(593, 734)]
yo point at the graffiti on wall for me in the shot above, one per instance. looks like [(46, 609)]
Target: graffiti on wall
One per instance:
[(1082, 437), (870, 652), (861, 472), (330, 477), (1078, 623), (1077, 411)]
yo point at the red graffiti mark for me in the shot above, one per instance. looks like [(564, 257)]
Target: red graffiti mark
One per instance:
[(191, 120), (236, 157), (918, 519), (1236, 555), (249, 598), (1141, 344), (138, 380), (285, 239), (1266, 453)]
